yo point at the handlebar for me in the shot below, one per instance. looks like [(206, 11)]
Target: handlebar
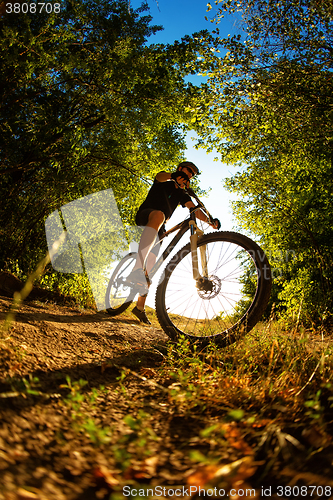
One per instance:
[(192, 194)]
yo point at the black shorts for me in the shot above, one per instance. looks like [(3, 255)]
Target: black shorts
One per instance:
[(141, 219)]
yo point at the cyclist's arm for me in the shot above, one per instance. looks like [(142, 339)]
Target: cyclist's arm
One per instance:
[(163, 176), (198, 213), (201, 215), (167, 176)]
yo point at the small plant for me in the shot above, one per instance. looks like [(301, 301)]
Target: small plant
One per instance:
[(98, 435), (26, 387), (77, 287), (120, 379), (136, 443), (314, 408), (79, 405)]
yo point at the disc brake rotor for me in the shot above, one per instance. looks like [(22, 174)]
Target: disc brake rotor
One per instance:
[(209, 288)]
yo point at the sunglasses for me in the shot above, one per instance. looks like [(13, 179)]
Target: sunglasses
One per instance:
[(190, 170)]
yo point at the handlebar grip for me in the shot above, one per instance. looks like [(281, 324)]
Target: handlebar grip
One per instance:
[(182, 175), (216, 221)]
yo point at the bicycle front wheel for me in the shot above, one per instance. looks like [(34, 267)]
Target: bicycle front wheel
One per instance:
[(228, 303), (119, 295)]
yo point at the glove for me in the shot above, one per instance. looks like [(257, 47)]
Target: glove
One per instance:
[(217, 223), (177, 174)]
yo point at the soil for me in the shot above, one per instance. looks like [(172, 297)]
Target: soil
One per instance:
[(63, 439), (41, 452)]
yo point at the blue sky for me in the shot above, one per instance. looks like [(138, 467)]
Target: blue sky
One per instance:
[(183, 17), (180, 18)]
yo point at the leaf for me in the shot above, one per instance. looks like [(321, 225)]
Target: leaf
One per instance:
[(202, 476), (23, 494), (231, 474), (208, 430), (104, 477), (235, 438), (236, 414)]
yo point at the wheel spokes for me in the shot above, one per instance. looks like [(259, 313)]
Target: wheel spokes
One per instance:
[(222, 300)]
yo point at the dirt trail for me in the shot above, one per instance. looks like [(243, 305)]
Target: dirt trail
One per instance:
[(47, 343), (64, 439), (70, 339)]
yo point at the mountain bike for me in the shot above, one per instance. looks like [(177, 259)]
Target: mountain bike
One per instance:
[(215, 288)]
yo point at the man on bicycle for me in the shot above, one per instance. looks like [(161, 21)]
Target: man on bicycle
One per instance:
[(163, 198)]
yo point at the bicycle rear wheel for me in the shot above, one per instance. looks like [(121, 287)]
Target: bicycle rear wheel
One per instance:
[(119, 295), (230, 301)]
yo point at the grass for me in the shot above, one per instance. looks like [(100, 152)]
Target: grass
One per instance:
[(270, 373), (202, 327), (266, 364), (270, 380), (258, 412), (251, 413)]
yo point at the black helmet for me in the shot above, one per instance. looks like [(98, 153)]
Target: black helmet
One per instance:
[(190, 165)]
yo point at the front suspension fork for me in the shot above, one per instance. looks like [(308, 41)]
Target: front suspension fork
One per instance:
[(195, 233)]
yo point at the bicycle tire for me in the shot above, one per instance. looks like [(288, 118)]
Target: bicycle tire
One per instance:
[(119, 296), (177, 296)]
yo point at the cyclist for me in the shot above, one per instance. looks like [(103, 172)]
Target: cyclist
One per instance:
[(163, 198)]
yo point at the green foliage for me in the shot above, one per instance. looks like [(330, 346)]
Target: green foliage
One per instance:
[(73, 285), (25, 387), (86, 105), (272, 116), (289, 208)]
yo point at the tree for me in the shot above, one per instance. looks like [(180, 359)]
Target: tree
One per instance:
[(272, 115), (86, 105)]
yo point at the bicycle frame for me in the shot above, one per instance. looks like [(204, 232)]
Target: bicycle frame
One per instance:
[(182, 227)]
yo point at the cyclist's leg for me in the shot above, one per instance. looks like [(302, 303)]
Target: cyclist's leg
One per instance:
[(155, 221), (139, 309), (151, 259)]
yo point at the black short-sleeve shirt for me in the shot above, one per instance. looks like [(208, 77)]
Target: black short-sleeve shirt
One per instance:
[(165, 196)]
